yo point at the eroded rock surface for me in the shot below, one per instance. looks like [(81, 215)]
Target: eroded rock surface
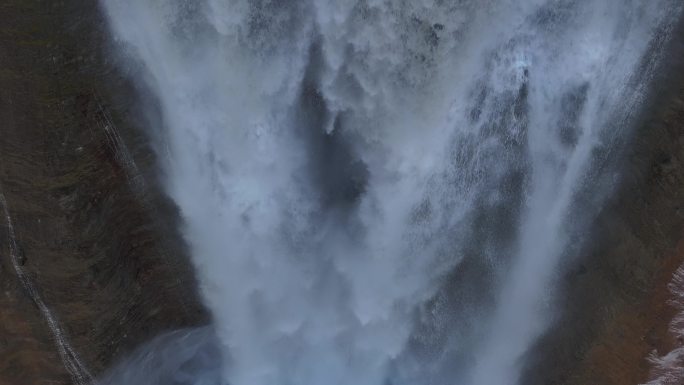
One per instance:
[(616, 300), (99, 249)]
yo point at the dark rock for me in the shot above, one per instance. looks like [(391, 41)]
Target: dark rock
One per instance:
[(75, 211), (618, 313)]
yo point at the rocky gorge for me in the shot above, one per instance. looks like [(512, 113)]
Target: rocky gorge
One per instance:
[(92, 242)]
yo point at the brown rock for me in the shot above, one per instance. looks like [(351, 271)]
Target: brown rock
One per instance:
[(100, 250)]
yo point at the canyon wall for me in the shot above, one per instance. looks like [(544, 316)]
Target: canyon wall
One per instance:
[(98, 240), (94, 236)]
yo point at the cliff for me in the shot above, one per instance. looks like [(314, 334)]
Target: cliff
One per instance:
[(93, 241), (615, 301), (97, 267)]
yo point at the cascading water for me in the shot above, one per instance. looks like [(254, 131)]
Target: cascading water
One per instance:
[(383, 191)]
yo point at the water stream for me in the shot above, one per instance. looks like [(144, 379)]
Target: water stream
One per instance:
[(383, 191)]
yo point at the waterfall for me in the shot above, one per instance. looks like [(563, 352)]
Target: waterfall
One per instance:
[(384, 191)]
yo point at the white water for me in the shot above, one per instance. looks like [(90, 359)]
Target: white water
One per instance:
[(339, 165)]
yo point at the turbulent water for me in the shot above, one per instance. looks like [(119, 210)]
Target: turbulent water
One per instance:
[(382, 191)]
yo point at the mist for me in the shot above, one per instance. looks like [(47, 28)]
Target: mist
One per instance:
[(381, 192)]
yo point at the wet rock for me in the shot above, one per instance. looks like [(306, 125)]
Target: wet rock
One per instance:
[(617, 313), (21, 257), (74, 212)]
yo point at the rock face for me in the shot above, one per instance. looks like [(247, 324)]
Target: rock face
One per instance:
[(94, 237), (615, 302)]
